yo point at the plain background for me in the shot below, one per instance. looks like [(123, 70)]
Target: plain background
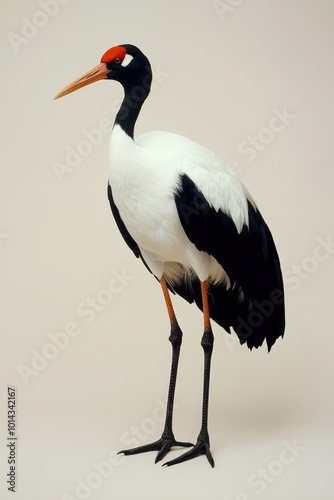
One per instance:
[(222, 71)]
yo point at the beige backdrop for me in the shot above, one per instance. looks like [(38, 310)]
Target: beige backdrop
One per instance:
[(83, 325)]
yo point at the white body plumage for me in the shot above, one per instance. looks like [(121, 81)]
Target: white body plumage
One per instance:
[(144, 176)]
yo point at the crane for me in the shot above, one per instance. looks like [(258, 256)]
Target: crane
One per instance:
[(187, 216)]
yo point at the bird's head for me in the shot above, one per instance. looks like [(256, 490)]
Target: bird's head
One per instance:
[(123, 63)]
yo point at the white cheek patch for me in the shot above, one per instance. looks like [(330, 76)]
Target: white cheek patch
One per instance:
[(127, 59)]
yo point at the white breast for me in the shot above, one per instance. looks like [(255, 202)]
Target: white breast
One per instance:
[(144, 177)]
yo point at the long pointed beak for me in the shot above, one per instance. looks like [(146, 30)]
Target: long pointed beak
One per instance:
[(98, 73)]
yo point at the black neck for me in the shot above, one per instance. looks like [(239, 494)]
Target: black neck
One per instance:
[(135, 92)]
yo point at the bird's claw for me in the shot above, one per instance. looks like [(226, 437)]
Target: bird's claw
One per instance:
[(162, 446), (202, 447)]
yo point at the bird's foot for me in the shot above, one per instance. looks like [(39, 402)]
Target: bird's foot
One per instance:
[(162, 445), (202, 447)]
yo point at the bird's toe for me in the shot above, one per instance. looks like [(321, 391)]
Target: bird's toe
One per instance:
[(200, 448)]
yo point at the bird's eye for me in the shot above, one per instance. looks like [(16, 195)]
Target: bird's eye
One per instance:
[(118, 60)]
